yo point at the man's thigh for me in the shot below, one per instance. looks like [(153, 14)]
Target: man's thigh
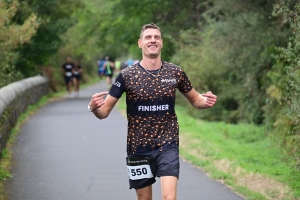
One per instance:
[(168, 187), (144, 193)]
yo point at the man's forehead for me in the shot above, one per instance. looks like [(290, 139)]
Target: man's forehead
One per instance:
[(151, 31)]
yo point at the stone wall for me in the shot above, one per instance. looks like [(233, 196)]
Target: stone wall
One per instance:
[(14, 99)]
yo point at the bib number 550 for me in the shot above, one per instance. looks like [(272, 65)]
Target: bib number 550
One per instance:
[(139, 172)]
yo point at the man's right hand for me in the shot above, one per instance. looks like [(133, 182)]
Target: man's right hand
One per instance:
[(97, 100)]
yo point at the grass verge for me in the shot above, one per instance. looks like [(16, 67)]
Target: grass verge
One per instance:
[(241, 156)]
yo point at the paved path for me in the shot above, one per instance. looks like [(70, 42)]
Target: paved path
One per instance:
[(65, 153)]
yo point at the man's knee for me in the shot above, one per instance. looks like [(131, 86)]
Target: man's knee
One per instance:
[(144, 197), (169, 187), (169, 197)]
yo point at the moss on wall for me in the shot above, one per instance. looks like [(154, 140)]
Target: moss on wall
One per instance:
[(15, 98)]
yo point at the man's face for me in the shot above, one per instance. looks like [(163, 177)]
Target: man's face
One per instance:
[(151, 43)]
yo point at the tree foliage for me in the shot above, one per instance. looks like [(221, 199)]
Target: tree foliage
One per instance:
[(54, 19), (285, 89), (12, 36), (231, 55)]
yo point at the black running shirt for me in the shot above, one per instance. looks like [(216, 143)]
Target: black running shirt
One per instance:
[(150, 99), (68, 68)]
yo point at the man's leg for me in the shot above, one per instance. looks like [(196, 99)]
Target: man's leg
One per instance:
[(74, 80), (69, 86), (144, 193), (168, 187)]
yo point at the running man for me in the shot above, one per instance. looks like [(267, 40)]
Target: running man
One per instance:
[(108, 70), (67, 71), (153, 138)]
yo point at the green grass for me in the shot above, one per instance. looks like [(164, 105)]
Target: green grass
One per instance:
[(245, 145), (4, 173), (232, 153)]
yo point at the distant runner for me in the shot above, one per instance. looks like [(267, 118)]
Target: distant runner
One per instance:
[(100, 64), (67, 71), (108, 70)]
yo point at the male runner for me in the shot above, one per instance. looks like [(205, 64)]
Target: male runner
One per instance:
[(152, 139), (109, 70), (66, 70)]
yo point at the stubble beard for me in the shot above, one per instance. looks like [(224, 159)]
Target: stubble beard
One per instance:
[(152, 55)]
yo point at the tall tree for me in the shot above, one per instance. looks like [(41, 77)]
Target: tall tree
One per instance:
[(13, 35)]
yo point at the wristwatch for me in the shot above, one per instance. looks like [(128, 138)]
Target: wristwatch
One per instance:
[(89, 108)]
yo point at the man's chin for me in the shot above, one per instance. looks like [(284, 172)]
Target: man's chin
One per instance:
[(152, 56)]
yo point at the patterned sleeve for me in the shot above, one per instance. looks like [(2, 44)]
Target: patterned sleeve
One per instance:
[(184, 85), (117, 88)]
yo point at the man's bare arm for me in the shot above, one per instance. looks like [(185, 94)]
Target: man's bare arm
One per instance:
[(201, 101), (101, 106)]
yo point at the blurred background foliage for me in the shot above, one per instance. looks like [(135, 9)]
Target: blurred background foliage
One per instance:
[(244, 51)]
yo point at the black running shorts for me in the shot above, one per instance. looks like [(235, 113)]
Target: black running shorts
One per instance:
[(68, 79), (165, 163)]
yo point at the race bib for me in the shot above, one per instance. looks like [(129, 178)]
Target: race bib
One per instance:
[(68, 73), (138, 168)]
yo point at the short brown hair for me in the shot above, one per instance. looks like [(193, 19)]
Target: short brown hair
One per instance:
[(147, 26)]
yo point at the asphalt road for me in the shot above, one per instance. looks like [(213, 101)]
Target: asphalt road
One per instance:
[(65, 153)]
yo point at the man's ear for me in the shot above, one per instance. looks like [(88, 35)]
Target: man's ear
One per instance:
[(140, 43), (162, 43)]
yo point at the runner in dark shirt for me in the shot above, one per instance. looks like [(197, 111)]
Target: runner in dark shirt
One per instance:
[(108, 70), (152, 139), (150, 106), (67, 71)]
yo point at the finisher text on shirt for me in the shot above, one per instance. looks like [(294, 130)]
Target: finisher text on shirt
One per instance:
[(153, 108)]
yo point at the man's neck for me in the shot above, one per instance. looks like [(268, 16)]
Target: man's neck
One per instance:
[(151, 64)]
